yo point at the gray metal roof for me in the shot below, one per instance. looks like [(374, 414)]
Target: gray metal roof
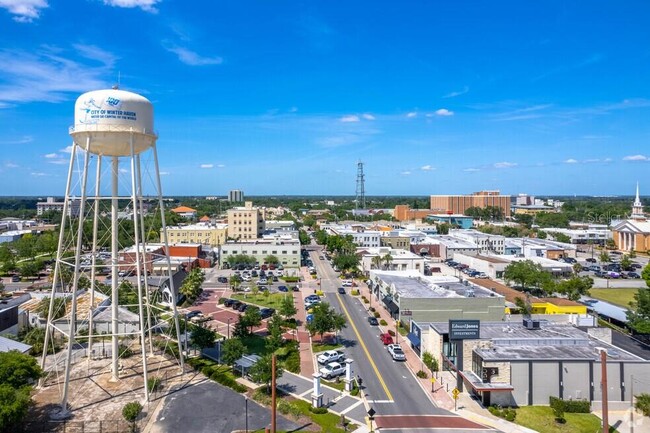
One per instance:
[(605, 308), (420, 287), (7, 344)]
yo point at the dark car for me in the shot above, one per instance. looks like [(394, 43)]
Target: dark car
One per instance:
[(228, 302), (192, 314), (295, 288), (283, 289), (341, 290), (236, 304), (242, 307), (637, 265), (373, 321), (266, 312), (15, 279), (591, 260), (222, 279), (633, 275), (275, 279)]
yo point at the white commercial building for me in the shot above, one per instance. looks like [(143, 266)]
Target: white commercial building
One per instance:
[(286, 250), (485, 243), (399, 260), (51, 205), (590, 235)]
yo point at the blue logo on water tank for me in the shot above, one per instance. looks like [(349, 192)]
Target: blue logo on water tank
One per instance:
[(112, 101)]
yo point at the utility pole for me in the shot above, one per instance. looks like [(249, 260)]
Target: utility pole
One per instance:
[(273, 396), (603, 385)]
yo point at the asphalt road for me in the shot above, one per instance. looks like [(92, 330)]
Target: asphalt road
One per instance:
[(389, 386)]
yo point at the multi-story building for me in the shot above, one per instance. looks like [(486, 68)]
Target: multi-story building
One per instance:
[(51, 205), (245, 222), (458, 204), (591, 235), (286, 250), (396, 241), (235, 196), (403, 212), (185, 212), (633, 234), (201, 233), (390, 259), (485, 243), (361, 236)]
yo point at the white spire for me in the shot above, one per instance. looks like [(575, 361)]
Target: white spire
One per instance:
[(637, 206)]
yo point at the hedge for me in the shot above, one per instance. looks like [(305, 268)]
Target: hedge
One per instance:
[(570, 406), (507, 413), (382, 322), (318, 410)]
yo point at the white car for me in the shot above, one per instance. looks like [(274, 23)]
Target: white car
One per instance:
[(330, 356), (396, 352), (332, 369), (262, 281), (346, 283)]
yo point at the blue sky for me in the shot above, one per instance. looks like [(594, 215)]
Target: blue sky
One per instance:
[(284, 97)]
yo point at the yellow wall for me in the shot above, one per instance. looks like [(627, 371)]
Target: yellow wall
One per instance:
[(548, 308)]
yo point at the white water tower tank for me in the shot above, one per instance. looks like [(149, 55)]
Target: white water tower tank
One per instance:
[(109, 120)]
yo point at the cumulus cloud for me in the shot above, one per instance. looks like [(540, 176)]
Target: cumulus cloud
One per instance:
[(11, 165), (67, 149), (193, 58), (164, 173), (145, 5), (221, 165), (52, 155), (206, 165), (505, 164), (349, 118), (444, 112), (427, 168), (636, 158), (471, 169), (412, 114), (571, 161), (24, 11), (368, 116)]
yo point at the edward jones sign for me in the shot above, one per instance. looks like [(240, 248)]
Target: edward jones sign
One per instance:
[(464, 329)]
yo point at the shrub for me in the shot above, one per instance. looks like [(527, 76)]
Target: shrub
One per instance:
[(382, 322), (422, 374), (131, 411), (354, 292), (292, 362), (354, 392), (262, 397), (642, 404), (125, 352), (391, 332), (154, 384), (376, 314), (366, 301), (570, 406), (287, 408), (222, 300), (319, 292), (507, 413), (318, 410), (371, 309)]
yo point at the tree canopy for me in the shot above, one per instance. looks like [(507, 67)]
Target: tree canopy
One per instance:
[(17, 372), (262, 370), (325, 319)]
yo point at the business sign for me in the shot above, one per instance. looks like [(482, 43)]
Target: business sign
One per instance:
[(464, 329)]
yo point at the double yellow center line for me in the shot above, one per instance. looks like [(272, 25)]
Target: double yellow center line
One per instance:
[(363, 346)]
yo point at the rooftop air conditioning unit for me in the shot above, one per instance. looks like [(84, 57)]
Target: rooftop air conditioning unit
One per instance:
[(531, 324)]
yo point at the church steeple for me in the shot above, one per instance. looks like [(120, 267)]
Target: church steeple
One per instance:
[(637, 206)]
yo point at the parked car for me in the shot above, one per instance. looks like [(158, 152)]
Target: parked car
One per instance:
[(275, 279), (570, 260), (373, 321), (222, 280), (396, 352), (267, 312), (594, 268), (262, 281), (332, 369), (228, 302), (236, 304), (347, 283), (312, 298), (342, 290), (283, 289), (633, 275), (193, 314), (330, 356), (386, 338), (591, 260), (15, 279), (243, 307), (295, 288)]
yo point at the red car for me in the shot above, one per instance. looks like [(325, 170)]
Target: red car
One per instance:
[(386, 339)]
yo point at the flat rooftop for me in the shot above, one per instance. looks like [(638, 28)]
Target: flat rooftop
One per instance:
[(411, 286), (511, 341)]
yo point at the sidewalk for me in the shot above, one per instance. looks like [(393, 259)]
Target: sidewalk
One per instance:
[(307, 287)]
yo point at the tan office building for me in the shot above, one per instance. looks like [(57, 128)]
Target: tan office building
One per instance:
[(458, 204), (245, 222), (201, 233)]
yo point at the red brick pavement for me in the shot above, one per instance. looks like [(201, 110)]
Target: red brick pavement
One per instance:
[(425, 421)]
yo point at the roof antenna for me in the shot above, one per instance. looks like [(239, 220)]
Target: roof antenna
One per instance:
[(117, 86)]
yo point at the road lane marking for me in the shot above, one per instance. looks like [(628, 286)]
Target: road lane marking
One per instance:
[(365, 349)]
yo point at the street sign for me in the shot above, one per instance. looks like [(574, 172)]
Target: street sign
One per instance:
[(371, 413), (455, 392), (433, 379)]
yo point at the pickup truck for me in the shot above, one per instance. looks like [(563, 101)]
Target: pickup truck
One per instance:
[(332, 369), (330, 356)]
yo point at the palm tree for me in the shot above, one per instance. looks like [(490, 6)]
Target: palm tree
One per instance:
[(388, 259), (376, 261)]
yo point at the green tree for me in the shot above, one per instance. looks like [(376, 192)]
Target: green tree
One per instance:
[(604, 257), (58, 310), (626, 262), (304, 237), (541, 234), (18, 369), (271, 260), (524, 273), (325, 319), (642, 403), (442, 228), (14, 406), (577, 268), (346, 262), (274, 340), (287, 309), (575, 287), (388, 260), (131, 412), (231, 350), (203, 337), (251, 318), (523, 306), (561, 237), (262, 370), (30, 268), (376, 262)]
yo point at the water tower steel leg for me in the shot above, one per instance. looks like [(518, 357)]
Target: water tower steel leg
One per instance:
[(93, 271), (114, 271), (59, 250), (144, 245), (169, 265), (75, 281), (138, 271)]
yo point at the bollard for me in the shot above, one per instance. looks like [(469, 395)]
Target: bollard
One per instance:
[(447, 387)]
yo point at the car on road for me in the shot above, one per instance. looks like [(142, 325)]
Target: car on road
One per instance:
[(222, 279), (633, 275), (347, 283), (321, 257), (373, 321), (386, 338), (341, 290), (283, 289), (396, 352), (332, 369), (636, 265), (594, 268), (330, 356)]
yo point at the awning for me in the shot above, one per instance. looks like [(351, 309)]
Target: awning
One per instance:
[(413, 339), (392, 307)]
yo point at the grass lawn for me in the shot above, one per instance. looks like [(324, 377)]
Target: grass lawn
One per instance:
[(621, 297), (541, 418), (317, 347), (329, 422), (255, 344), (336, 385), (272, 300)]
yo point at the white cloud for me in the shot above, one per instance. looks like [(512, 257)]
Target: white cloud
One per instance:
[(58, 161), (23, 140), (636, 158), (457, 93), (444, 112), (427, 168), (38, 173), (145, 5), (93, 52), (293, 110), (193, 58), (471, 170), (505, 164), (412, 114), (11, 165), (405, 173), (590, 160), (221, 165), (52, 155), (368, 116), (123, 170), (571, 161), (349, 118), (25, 11), (164, 173), (607, 160), (67, 149), (206, 165)]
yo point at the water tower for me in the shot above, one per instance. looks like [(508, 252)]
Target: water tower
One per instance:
[(102, 303)]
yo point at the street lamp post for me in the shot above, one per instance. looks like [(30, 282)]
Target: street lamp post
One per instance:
[(246, 403), (396, 331), (229, 319)]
